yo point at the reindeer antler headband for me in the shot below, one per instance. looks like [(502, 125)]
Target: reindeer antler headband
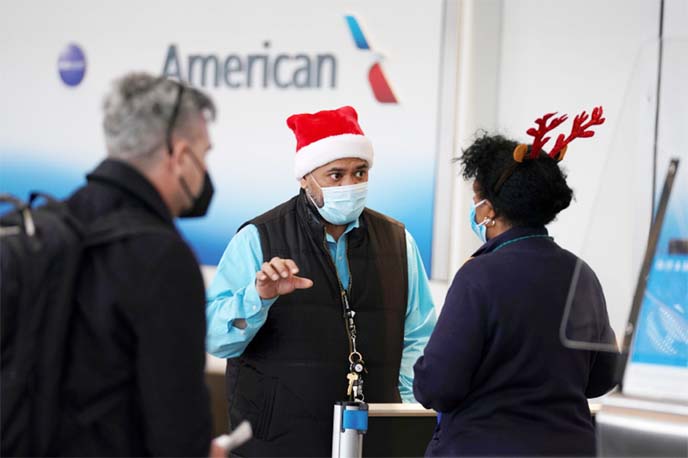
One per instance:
[(544, 125)]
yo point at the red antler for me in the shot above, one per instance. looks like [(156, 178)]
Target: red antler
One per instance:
[(539, 133), (579, 129)]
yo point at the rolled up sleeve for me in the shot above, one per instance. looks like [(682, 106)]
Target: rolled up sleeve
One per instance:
[(232, 296)]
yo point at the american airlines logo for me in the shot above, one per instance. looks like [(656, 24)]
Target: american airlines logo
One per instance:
[(263, 69), (378, 82), (268, 69)]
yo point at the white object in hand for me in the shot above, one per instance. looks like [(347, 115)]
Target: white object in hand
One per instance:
[(236, 438)]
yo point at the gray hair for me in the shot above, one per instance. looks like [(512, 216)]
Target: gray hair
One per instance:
[(139, 108)]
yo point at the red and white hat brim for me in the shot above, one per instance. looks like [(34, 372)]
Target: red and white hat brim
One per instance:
[(329, 149)]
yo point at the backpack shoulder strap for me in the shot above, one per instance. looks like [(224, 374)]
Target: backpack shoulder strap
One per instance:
[(122, 224)]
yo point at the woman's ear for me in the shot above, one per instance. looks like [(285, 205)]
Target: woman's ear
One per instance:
[(491, 213)]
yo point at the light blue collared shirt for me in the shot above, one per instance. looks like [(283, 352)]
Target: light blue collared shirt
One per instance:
[(232, 296)]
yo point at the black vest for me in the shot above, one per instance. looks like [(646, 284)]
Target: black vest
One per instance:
[(294, 370)]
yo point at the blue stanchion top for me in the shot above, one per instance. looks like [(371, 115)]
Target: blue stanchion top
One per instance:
[(355, 419)]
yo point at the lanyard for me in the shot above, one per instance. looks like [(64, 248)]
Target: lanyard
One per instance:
[(356, 365), (349, 315), (509, 242)]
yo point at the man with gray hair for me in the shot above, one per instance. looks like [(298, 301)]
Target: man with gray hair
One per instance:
[(134, 384)]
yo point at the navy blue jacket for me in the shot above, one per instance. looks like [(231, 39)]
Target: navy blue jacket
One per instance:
[(495, 365)]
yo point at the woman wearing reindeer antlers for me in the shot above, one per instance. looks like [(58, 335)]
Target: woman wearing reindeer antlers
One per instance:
[(495, 366)]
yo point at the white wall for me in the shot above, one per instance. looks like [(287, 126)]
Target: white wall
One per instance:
[(673, 112), (477, 102)]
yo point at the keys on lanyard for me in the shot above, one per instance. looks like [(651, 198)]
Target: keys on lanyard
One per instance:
[(355, 377), (353, 380), (356, 365)]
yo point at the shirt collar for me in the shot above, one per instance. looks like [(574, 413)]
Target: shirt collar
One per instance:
[(350, 227), (510, 234), (126, 178)]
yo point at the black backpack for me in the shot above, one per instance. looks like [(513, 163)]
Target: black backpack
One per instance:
[(40, 253)]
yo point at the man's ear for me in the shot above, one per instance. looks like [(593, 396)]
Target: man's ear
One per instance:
[(179, 146), (303, 182)]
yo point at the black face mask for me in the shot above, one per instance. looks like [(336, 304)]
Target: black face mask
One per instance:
[(200, 202)]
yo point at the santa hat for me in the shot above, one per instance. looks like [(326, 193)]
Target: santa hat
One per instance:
[(326, 136)]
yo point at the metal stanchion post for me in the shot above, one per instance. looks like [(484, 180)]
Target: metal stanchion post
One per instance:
[(349, 425)]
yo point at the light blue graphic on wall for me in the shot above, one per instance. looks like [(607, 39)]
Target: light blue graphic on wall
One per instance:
[(662, 334), (402, 194)]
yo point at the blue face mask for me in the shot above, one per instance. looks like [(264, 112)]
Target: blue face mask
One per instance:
[(479, 229), (342, 204)]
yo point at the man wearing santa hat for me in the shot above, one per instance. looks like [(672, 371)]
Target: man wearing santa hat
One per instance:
[(318, 300)]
